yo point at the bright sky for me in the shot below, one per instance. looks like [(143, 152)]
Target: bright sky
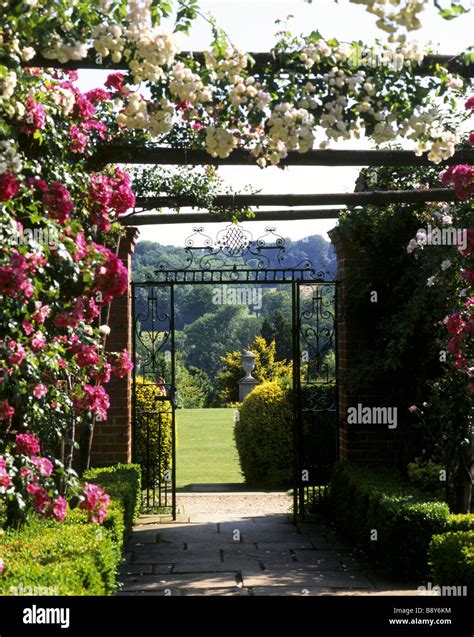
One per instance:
[(251, 26)]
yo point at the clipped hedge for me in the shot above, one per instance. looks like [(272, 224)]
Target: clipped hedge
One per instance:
[(153, 438), (364, 500), (123, 483), (75, 557), (461, 522), (264, 438), (452, 559), (68, 559)]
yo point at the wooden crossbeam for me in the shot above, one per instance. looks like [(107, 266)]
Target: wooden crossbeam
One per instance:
[(377, 197), (145, 219), (129, 154), (262, 60)]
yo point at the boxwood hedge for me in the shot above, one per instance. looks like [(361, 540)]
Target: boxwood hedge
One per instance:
[(75, 557)]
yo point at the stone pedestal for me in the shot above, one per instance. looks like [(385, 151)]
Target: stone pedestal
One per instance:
[(246, 385)]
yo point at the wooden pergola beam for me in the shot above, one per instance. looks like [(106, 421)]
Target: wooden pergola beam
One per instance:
[(146, 219), (262, 60), (129, 154), (377, 197)]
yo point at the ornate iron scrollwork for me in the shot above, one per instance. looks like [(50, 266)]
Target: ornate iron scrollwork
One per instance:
[(235, 255)]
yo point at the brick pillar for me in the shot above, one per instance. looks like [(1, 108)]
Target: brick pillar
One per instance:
[(113, 438), (368, 443)]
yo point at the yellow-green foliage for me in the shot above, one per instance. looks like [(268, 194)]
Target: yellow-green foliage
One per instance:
[(452, 559), (153, 434), (264, 438), (266, 369)]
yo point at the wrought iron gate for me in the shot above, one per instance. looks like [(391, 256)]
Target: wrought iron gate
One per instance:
[(234, 258)]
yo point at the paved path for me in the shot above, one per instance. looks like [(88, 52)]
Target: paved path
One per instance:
[(242, 544)]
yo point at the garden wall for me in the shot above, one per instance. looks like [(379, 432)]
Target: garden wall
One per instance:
[(373, 444)]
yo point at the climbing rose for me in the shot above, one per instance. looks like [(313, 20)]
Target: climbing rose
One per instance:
[(96, 502), (95, 399), (469, 104), (454, 323), (2, 565), (461, 177), (79, 140), (35, 116), (84, 107), (85, 355), (8, 186), (38, 341), (40, 390), (97, 95), (58, 203), (59, 509), (17, 354), (27, 444), (41, 499), (122, 365), (4, 477), (112, 277), (44, 465), (6, 411), (115, 81)]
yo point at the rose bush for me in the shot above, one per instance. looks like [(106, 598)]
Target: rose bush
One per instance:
[(58, 272)]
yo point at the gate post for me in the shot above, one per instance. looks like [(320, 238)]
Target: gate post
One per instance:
[(367, 443), (112, 441)]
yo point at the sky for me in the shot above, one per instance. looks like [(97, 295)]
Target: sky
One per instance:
[(251, 26)]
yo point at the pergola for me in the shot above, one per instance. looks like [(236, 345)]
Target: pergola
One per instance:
[(159, 155)]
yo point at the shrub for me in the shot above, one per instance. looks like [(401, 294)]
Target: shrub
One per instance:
[(263, 436), (426, 476), (153, 432), (78, 559), (452, 559), (461, 522), (365, 499), (75, 557)]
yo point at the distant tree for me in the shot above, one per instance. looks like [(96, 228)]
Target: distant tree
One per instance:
[(213, 334), (193, 387), (266, 368)]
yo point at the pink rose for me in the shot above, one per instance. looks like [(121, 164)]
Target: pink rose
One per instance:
[(9, 186), (27, 444)]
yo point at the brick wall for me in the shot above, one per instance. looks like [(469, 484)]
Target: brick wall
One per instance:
[(373, 444), (113, 438)]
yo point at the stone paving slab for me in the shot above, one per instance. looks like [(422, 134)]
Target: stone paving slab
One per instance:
[(136, 569), (230, 547), (286, 591), (169, 555), (158, 592), (206, 567), (224, 592), (272, 557), (325, 556), (163, 582), (305, 579), (290, 546)]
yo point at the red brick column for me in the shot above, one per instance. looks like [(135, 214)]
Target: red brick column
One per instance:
[(368, 443), (113, 438)]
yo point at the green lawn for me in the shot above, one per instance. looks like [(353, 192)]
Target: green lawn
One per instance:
[(206, 452)]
